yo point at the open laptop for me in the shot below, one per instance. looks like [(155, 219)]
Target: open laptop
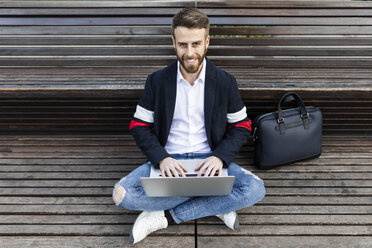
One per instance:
[(157, 186)]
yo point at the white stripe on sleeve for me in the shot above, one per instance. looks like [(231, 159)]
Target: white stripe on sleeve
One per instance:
[(144, 114), (237, 116)]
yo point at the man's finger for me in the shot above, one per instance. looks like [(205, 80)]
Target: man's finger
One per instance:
[(169, 174), (179, 171), (162, 173), (200, 165), (201, 170), (183, 168), (175, 172), (220, 172), (213, 172), (206, 174)]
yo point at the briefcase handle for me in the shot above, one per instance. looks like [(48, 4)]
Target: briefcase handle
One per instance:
[(304, 114)]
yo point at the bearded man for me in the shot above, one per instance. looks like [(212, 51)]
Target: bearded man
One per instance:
[(190, 109)]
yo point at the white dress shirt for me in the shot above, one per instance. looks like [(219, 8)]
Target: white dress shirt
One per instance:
[(187, 133)]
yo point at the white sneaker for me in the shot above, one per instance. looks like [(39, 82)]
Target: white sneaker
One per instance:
[(230, 219), (146, 223)]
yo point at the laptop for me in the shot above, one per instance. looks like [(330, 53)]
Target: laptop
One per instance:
[(157, 186)]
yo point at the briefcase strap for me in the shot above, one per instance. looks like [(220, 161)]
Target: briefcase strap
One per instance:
[(304, 114)]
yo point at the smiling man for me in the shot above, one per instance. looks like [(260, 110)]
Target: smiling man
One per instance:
[(190, 109)]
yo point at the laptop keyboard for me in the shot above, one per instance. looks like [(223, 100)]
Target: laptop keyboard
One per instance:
[(194, 175)]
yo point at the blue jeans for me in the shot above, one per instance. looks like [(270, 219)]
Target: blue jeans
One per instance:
[(247, 190)]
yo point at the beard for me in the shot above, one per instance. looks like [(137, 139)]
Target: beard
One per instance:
[(192, 68)]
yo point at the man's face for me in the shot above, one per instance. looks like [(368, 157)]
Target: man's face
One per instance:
[(191, 46)]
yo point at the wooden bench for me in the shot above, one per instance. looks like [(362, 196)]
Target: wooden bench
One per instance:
[(71, 74)]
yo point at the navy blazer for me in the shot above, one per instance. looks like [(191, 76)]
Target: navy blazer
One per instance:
[(226, 122)]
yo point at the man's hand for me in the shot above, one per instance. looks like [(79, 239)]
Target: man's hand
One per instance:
[(210, 165), (171, 167)]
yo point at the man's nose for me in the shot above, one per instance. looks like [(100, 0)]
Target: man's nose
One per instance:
[(190, 51)]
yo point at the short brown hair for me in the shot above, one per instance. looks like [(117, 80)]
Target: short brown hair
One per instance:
[(190, 18)]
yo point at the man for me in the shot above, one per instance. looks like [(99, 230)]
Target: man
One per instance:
[(190, 109)]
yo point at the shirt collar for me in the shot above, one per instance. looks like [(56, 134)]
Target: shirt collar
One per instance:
[(200, 79)]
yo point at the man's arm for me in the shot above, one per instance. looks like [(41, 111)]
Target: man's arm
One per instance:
[(141, 126), (239, 127)]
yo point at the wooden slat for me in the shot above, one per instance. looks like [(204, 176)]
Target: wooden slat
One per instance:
[(286, 241), (161, 11), (169, 50), (166, 40), (166, 30), (182, 3), (97, 241), (301, 62), (94, 4), (160, 20), (288, 230), (284, 4)]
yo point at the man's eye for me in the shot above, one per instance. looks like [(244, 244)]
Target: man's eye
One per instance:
[(182, 45)]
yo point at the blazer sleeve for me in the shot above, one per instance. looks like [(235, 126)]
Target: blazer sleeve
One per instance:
[(239, 127), (141, 126)]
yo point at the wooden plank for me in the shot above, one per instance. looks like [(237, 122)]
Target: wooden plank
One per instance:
[(307, 209), (112, 209), (96, 241), (286, 230), (169, 50), (300, 62), (85, 183), (20, 219), (273, 190), (166, 40), (113, 175), (65, 210), (160, 20), (268, 200), (283, 4), (356, 73), (161, 11), (87, 230), (273, 219), (183, 3), (95, 4), (285, 241), (281, 30), (127, 167)]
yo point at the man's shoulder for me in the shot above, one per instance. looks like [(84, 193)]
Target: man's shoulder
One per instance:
[(168, 71)]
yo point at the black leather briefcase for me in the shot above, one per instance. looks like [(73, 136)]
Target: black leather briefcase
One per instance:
[(286, 136)]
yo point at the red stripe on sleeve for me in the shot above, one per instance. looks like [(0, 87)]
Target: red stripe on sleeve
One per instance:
[(245, 124), (134, 124)]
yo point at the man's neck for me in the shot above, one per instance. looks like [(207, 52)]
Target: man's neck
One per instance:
[(191, 77)]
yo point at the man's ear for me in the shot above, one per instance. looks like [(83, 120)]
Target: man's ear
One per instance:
[(207, 41), (174, 42)]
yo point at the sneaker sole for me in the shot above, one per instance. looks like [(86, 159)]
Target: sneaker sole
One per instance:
[(236, 223), (131, 239)]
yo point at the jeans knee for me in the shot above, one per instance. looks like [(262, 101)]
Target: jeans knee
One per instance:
[(257, 191), (118, 194)]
